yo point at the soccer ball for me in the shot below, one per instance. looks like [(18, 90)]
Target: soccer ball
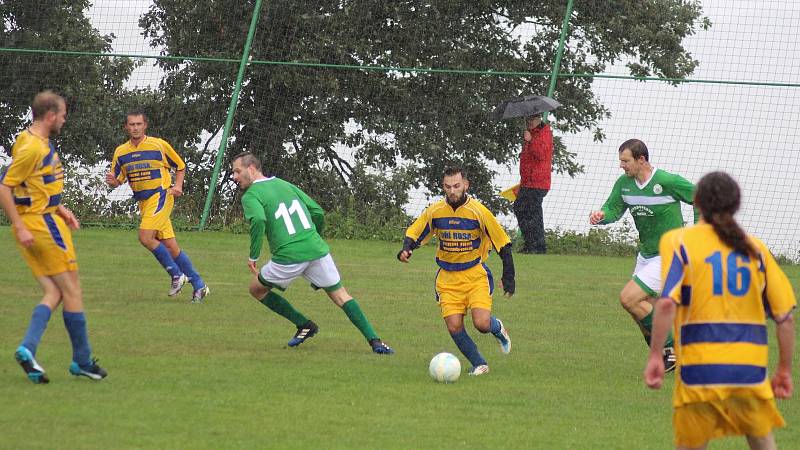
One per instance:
[(445, 368)]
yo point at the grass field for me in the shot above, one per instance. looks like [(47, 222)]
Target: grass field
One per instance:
[(218, 375)]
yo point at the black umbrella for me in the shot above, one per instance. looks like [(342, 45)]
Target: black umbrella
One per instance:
[(524, 107)]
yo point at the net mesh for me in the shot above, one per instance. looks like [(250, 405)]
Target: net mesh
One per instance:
[(363, 103)]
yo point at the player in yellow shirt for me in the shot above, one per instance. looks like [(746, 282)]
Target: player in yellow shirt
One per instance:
[(720, 286), (30, 195), (466, 231), (145, 163)]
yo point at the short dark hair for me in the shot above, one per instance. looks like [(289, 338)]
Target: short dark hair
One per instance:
[(136, 112), (637, 148), (455, 170), (45, 102), (248, 159)]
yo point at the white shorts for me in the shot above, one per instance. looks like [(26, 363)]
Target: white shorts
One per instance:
[(647, 274), (322, 273)]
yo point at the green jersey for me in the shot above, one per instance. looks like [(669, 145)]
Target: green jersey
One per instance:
[(655, 206), (291, 220)]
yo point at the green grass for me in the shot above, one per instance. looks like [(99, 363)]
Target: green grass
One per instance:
[(218, 375)]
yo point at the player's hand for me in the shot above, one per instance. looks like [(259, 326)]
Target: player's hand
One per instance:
[(404, 255), (782, 384), (508, 286), (111, 180), (69, 218), (252, 266), (527, 136), (654, 371), (596, 217), (176, 191), (24, 236)]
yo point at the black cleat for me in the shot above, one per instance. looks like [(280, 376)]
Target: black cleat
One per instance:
[(93, 371), (304, 332), (380, 347), (670, 359)]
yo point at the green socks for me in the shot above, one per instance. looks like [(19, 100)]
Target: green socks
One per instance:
[(279, 304), (358, 318), (646, 324)]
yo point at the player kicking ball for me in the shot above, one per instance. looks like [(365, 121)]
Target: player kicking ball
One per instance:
[(292, 222)]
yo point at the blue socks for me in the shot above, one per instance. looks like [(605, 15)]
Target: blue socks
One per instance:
[(186, 267), (76, 327), (39, 319), (468, 347), (162, 255), (494, 326)]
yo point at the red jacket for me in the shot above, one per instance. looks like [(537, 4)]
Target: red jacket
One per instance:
[(536, 159)]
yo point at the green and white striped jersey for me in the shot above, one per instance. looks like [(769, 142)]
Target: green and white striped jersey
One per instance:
[(655, 206), (289, 218)]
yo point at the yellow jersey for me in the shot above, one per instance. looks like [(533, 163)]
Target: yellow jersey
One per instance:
[(35, 175), (724, 299), (146, 166), (465, 234)]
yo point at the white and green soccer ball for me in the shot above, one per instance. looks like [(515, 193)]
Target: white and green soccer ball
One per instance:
[(445, 368)]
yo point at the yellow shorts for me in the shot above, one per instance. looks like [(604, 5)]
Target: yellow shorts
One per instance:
[(697, 423), (459, 291), (52, 251), (156, 212)]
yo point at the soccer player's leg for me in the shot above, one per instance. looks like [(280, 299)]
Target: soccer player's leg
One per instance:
[(481, 286), (155, 212), (273, 277), (323, 273), (162, 222), (83, 364), (453, 302), (52, 252)]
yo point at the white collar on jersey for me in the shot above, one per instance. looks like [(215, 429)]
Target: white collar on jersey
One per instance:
[(641, 186), (263, 179)]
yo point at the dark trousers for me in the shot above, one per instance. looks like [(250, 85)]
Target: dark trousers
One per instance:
[(528, 209)]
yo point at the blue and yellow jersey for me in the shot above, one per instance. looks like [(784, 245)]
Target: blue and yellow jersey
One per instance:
[(35, 175), (146, 166), (465, 235), (724, 299)]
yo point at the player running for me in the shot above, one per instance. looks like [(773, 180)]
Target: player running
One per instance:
[(466, 232), (292, 222), (653, 198)]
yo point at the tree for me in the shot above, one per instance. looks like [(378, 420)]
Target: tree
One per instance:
[(92, 85)]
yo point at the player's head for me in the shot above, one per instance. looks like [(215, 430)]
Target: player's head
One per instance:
[(136, 124), (455, 184), (49, 109), (718, 198), (633, 156), (246, 167)]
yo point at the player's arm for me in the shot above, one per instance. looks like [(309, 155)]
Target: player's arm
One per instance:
[(612, 209), (417, 234), (22, 166), (177, 188), (176, 163), (779, 296), (116, 176), (254, 213), (502, 244), (68, 217), (683, 190), (673, 267)]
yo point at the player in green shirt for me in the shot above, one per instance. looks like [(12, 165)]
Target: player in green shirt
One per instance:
[(292, 222), (653, 198)]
